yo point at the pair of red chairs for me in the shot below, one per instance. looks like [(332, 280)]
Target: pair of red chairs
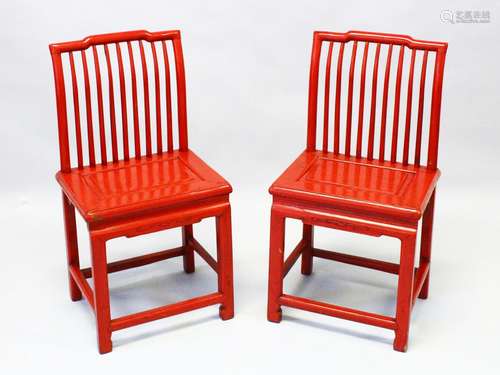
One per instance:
[(137, 181)]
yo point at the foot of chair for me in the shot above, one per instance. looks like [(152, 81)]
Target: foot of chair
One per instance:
[(74, 292), (424, 292), (103, 333), (306, 271), (423, 296), (226, 313), (189, 268), (274, 316), (400, 343), (76, 296), (400, 348), (307, 263), (105, 345), (188, 260)]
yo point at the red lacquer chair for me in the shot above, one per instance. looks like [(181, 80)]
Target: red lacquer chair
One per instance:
[(367, 175), (135, 181)]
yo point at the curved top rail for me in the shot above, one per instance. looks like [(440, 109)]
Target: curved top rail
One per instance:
[(364, 36), (56, 48)]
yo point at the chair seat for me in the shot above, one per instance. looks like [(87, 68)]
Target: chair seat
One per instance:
[(354, 183), (141, 185)]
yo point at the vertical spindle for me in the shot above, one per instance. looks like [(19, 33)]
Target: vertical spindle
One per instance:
[(326, 107), (112, 114), (137, 136), (421, 97), (383, 121), (76, 106), (159, 143), (397, 97), (88, 108), (123, 101), (100, 107), (406, 148), (359, 139), (373, 110), (349, 100), (147, 114), (336, 139), (168, 97)]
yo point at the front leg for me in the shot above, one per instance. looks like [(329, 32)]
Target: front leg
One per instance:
[(101, 293), (71, 246), (405, 290), (426, 243), (276, 259), (225, 263)]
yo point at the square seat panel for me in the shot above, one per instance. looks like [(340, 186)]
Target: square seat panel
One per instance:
[(140, 185), (357, 183)]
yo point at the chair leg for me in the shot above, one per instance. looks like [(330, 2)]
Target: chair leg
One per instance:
[(101, 294), (426, 243), (307, 257), (276, 259), (188, 258), (225, 263), (405, 289), (71, 245)]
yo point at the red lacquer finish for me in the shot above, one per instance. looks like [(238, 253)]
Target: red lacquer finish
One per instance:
[(357, 191), (139, 189)]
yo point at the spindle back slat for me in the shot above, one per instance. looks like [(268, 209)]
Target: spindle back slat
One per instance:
[(88, 107), (336, 140), (159, 143), (112, 115), (409, 97), (100, 107), (400, 140), (420, 109), (147, 115), (383, 121), (327, 97), (359, 138), (76, 106), (397, 97), (168, 94), (130, 87), (349, 100), (373, 110), (123, 102), (135, 106)]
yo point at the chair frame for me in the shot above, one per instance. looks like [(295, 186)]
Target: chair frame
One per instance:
[(182, 214), (412, 282)]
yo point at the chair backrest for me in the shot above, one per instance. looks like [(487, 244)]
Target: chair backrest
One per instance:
[(110, 102), (369, 134)]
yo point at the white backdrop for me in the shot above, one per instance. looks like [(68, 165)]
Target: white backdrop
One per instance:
[(247, 67)]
